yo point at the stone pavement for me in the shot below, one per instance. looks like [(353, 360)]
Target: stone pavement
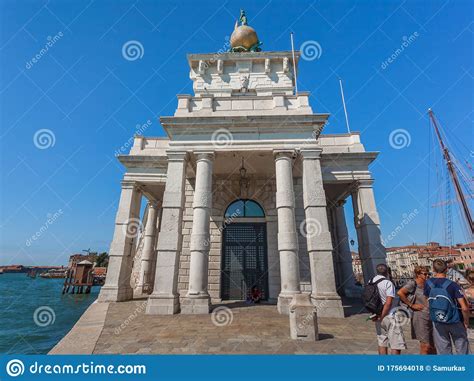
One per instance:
[(241, 329)]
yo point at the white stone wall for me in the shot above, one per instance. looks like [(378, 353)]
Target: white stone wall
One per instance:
[(222, 74)]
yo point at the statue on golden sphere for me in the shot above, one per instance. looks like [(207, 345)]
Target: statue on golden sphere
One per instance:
[(244, 38)]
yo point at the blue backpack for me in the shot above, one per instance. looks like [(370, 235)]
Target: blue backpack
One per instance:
[(443, 308)]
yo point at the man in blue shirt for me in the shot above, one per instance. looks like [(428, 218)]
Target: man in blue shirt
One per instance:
[(444, 332)]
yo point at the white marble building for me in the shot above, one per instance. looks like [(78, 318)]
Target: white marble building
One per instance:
[(244, 192)]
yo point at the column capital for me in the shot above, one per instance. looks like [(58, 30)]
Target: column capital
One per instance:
[(177, 155), (204, 155), (311, 153), (129, 184), (365, 183), (284, 153)]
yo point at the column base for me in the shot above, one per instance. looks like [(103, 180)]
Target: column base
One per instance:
[(328, 305), (196, 305), (138, 293), (142, 290), (162, 304), (115, 294), (284, 301)]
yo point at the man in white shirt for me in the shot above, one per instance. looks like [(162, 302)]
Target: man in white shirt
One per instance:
[(389, 331)]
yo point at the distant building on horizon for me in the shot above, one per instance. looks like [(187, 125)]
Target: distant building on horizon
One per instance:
[(18, 269), (403, 259), (13, 269)]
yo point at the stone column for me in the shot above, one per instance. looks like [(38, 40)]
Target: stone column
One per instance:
[(165, 298), (331, 212), (367, 223), (318, 238), (145, 275), (155, 244), (127, 222), (287, 237), (344, 257), (197, 300)]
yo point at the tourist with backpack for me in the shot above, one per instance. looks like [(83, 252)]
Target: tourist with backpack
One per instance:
[(379, 294), (448, 311), (412, 295)]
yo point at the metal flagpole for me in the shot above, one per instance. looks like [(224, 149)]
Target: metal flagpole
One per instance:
[(344, 104), (294, 62)]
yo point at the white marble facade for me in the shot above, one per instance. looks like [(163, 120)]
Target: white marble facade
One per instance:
[(243, 110)]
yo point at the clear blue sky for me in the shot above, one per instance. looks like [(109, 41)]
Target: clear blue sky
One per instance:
[(91, 98)]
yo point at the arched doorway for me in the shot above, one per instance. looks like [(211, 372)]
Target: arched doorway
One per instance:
[(244, 251)]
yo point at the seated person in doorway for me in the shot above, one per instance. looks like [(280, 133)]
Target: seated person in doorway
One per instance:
[(255, 295)]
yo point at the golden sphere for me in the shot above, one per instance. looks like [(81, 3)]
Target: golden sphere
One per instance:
[(244, 36)]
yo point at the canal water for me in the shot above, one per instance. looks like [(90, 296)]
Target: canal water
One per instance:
[(34, 315)]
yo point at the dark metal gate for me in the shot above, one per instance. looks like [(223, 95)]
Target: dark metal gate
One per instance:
[(244, 260)]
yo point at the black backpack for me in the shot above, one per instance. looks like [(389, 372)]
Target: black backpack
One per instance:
[(371, 297)]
